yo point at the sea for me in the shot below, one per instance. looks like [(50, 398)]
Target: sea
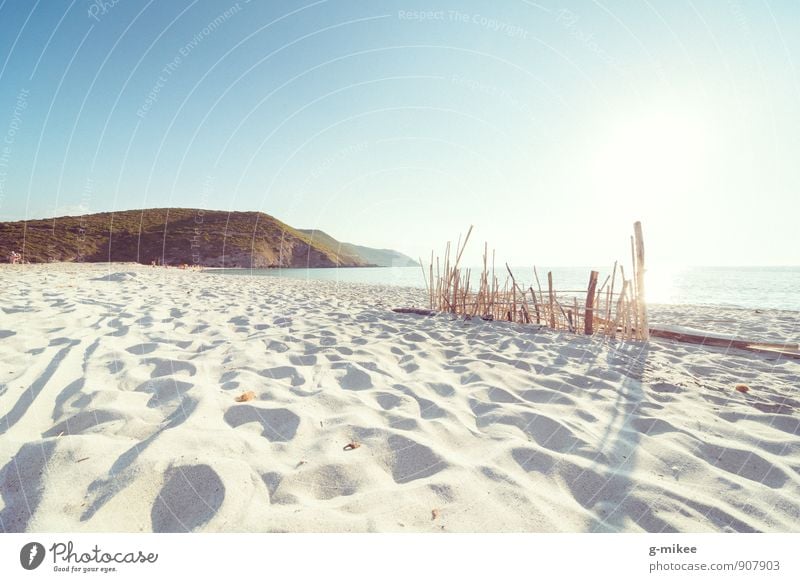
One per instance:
[(746, 287)]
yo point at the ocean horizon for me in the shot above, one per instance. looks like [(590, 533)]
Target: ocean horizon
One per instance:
[(744, 287)]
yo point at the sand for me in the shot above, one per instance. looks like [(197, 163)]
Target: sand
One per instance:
[(118, 412)]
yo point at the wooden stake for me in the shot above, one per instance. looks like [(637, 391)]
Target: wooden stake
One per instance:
[(550, 293), (640, 270), (588, 321), (513, 293), (425, 278), (538, 285)]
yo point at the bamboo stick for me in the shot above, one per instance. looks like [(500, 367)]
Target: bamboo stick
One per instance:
[(618, 316), (538, 285), (634, 295), (598, 298), (450, 289), (611, 294), (424, 277), (564, 313), (577, 314), (536, 306), (628, 313), (513, 292), (431, 298), (643, 321)]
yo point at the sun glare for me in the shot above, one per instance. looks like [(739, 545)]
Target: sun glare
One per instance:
[(658, 152)]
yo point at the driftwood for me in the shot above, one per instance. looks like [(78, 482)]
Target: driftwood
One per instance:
[(683, 335), (690, 336), (431, 312), (414, 311)]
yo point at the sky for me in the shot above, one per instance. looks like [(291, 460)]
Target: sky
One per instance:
[(550, 126)]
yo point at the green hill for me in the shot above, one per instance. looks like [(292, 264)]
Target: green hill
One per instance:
[(349, 251), (171, 236)]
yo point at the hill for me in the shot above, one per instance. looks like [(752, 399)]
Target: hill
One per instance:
[(172, 236), (377, 257), (382, 257)]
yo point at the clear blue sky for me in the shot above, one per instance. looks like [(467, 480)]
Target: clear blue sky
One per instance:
[(551, 126)]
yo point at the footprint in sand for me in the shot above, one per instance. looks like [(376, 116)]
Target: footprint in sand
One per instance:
[(503, 396), (21, 485), (744, 463), (427, 408), (307, 360), (142, 349), (115, 366), (163, 367), (190, 497), (164, 390), (83, 422), (275, 346), (177, 313), (272, 480), (352, 378), (277, 424), (411, 460), (121, 329), (387, 401), (414, 337), (199, 328), (284, 372)]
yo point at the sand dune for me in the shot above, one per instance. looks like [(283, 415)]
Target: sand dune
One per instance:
[(118, 412)]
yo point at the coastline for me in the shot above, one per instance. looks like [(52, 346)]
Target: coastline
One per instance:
[(118, 412)]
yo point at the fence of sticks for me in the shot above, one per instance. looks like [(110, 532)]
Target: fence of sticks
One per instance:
[(616, 308)]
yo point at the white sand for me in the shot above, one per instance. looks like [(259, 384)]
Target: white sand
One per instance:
[(118, 413)]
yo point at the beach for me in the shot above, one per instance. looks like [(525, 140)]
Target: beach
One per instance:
[(124, 406)]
